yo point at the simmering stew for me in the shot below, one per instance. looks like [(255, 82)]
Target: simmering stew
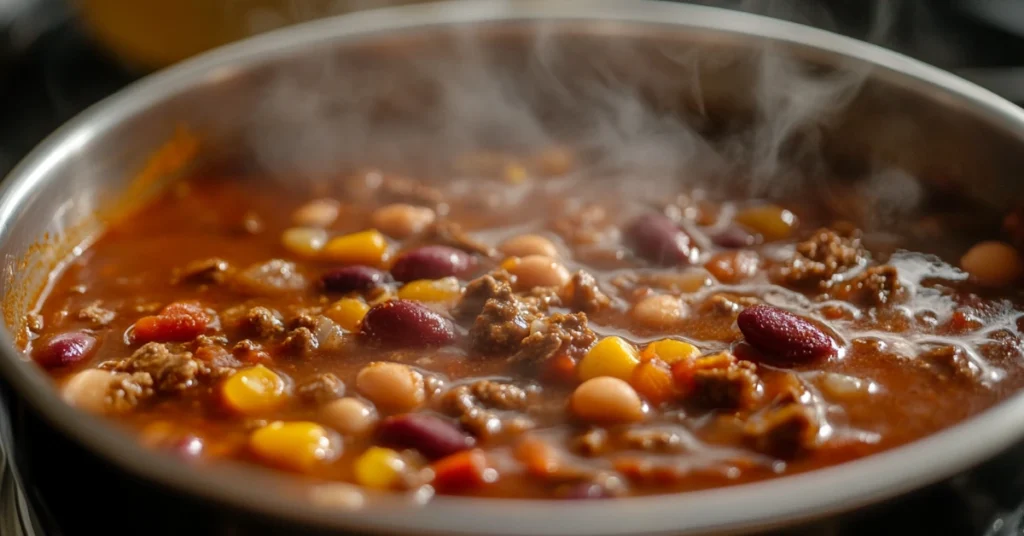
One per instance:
[(530, 334)]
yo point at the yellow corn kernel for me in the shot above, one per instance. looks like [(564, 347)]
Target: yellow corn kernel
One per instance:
[(379, 468), (427, 290), (611, 356), (514, 174), (347, 312), (670, 351), (299, 446), (304, 241), (771, 221), (253, 390), (364, 247), (510, 264)]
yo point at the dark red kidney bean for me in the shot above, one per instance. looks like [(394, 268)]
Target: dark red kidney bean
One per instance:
[(659, 240), (431, 262), (733, 237), (66, 349), (781, 334), (353, 279), (405, 323), (432, 436)]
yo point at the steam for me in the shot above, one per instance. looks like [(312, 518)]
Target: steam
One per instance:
[(644, 115)]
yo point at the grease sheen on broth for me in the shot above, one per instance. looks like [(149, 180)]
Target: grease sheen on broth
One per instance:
[(684, 343)]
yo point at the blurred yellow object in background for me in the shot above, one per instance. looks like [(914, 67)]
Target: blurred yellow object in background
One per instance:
[(154, 33)]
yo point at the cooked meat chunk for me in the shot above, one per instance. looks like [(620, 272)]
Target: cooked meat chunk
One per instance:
[(300, 342), (96, 315), (321, 388), (950, 362), (726, 304), (304, 319), (729, 385), (249, 351), (261, 322), (205, 271), (557, 334), (272, 278), (783, 431), (217, 356), (583, 294), (479, 291), (502, 325), (876, 286), (169, 370), (655, 440), (501, 395), (487, 408), (129, 390), (820, 258)]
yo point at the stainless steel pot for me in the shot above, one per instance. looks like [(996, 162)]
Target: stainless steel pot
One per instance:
[(282, 99)]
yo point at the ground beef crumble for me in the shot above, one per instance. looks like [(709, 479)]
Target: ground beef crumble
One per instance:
[(261, 322), (727, 383), (129, 390), (783, 431), (557, 334), (321, 388), (583, 294), (487, 408), (96, 315), (203, 271), (478, 291), (878, 285), (249, 351), (503, 322), (820, 258), (158, 368), (299, 342), (211, 350), (655, 440), (950, 362)]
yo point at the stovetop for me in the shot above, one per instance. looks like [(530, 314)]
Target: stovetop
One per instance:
[(55, 72)]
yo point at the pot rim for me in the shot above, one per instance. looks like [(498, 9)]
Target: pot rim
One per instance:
[(759, 505)]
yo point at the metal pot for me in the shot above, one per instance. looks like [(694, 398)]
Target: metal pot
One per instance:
[(904, 115)]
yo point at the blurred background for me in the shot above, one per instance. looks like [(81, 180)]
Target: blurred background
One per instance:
[(57, 57)]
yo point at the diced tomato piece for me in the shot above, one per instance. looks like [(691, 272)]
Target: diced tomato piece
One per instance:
[(463, 471), (168, 328), (560, 369), (682, 375), (540, 458)]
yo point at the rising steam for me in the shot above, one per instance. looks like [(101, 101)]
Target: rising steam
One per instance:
[(642, 111)]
